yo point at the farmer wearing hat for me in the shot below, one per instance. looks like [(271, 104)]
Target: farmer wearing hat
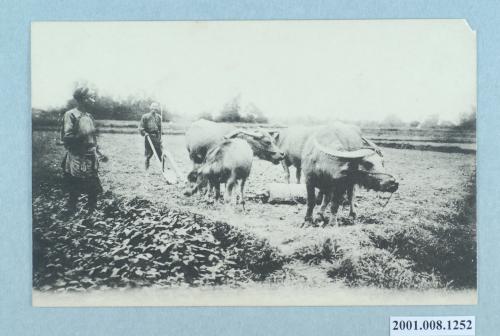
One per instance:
[(150, 125), (80, 164)]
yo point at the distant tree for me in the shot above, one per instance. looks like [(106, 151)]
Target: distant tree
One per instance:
[(106, 107), (431, 121), (231, 111), (253, 114), (414, 123), (446, 123), (369, 124), (468, 120), (392, 120), (206, 115)]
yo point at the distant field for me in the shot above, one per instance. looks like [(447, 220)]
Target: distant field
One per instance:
[(440, 139), (131, 125), (447, 140)]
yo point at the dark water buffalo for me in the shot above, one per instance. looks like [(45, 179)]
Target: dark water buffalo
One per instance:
[(203, 135), (291, 142), (337, 157), (228, 162)]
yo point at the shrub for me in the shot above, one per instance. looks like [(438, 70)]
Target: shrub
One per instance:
[(380, 268), (327, 251)]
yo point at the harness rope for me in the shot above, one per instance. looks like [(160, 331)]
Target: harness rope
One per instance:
[(392, 193), (378, 173)]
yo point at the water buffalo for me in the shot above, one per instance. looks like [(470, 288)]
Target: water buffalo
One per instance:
[(227, 162), (202, 135), (337, 157), (291, 141)]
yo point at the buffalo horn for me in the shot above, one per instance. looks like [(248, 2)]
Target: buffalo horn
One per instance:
[(373, 145), (355, 154), (235, 133), (232, 134), (252, 134)]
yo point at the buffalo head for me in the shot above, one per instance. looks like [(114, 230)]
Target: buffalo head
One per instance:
[(372, 176), (197, 181), (366, 167), (262, 143)]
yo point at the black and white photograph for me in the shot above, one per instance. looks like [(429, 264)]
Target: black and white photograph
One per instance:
[(254, 163)]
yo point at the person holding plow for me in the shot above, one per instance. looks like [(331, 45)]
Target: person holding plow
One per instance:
[(81, 161), (150, 126)]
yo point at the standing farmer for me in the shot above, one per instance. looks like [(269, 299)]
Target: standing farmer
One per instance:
[(80, 164), (151, 125)]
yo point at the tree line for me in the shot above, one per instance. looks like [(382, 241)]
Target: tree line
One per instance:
[(234, 112), (132, 108), (105, 107)]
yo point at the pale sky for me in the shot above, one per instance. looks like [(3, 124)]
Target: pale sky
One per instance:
[(354, 70)]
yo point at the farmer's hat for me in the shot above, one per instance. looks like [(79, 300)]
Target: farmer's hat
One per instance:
[(81, 93), (154, 105)]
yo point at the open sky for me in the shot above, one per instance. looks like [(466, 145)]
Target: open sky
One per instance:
[(353, 70)]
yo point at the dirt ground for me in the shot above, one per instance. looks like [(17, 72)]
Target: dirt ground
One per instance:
[(429, 183)]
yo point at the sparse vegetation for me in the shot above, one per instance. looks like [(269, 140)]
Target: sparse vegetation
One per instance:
[(381, 268), (410, 256)]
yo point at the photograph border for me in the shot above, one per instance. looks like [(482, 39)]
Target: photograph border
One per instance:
[(18, 317)]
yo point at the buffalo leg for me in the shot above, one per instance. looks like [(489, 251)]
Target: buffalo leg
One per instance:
[(209, 192), (242, 186), (229, 189), (336, 201), (350, 196), (311, 203), (72, 201), (217, 190), (320, 217), (298, 173), (319, 199), (287, 171)]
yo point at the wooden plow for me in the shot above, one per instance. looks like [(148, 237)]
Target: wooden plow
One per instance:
[(167, 165)]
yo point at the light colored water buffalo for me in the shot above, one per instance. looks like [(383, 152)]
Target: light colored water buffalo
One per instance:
[(337, 157), (291, 142), (228, 162), (203, 135)]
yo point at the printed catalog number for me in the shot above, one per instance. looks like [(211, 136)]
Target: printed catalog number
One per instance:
[(452, 325)]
